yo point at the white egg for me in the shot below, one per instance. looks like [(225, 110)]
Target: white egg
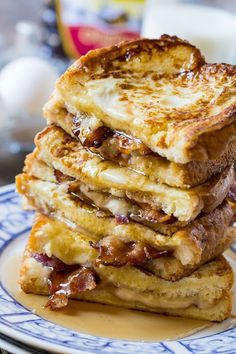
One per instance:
[(25, 85)]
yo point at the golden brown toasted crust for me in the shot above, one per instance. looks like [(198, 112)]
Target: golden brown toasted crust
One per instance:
[(199, 130), (172, 269), (109, 58), (188, 244), (155, 167), (33, 277)]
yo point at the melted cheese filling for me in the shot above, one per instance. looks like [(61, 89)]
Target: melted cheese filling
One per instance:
[(115, 205), (136, 98), (42, 195), (147, 298), (155, 301)]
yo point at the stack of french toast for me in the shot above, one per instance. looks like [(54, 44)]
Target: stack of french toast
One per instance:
[(133, 182)]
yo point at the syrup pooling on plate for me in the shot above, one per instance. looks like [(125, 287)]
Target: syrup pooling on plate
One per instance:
[(101, 320)]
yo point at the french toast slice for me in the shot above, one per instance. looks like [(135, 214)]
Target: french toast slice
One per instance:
[(159, 91), (121, 209), (131, 153), (205, 294), (60, 238), (190, 245)]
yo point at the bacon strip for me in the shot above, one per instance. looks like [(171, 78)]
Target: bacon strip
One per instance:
[(147, 213), (122, 219), (127, 144), (143, 211), (232, 192), (114, 252), (63, 285), (66, 280), (54, 262), (117, 141), (232, 199), (61, 177), (93, 138)]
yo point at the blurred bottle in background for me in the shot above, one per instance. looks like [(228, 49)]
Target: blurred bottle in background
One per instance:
[(85, 25), (51, 44), (212, 29)]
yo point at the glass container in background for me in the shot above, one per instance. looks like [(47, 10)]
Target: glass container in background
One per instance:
[(85, 25), (26, 39), (51, 43), (26, 81), (210, 28)]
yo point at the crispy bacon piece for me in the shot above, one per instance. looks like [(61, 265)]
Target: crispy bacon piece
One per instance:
[(122, 219), (66, 280), (54, 263), (147, 213), (115, 252), (232, 199), (120, 142), (63, 285), (127, 144), (232, 192), (96, 138), (120, 145), (92, 138), (60, 177)]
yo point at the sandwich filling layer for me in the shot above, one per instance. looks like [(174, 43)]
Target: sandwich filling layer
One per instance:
[(48, 274), (59, 151), (132, 243), (132, 153)]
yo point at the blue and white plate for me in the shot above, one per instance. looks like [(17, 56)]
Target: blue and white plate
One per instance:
[(21, 329)]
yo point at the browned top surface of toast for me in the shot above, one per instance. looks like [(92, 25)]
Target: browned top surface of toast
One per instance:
[(160, 91)]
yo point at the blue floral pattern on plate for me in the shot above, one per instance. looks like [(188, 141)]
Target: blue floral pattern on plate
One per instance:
[(20, 323)]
